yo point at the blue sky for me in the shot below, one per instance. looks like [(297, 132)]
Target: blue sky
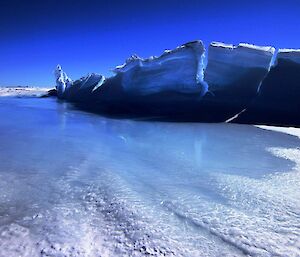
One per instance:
[(95, 36)]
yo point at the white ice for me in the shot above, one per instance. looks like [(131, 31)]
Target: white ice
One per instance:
[(288, 130)]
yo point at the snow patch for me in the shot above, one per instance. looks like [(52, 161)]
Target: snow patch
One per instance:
[(23, 91), (269, 49), (287, 130)]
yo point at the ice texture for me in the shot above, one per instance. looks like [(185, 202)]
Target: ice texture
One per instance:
[(77, 90), (233, 74), (179, 70), (78, 184), (83, 88), (228, 64)]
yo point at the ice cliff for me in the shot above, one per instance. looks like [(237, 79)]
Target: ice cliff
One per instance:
[(234, 74), (237, 82), (278, 102), (229, 64), (179, 70)]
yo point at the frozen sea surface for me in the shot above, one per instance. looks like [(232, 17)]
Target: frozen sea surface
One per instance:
[(78, 184)]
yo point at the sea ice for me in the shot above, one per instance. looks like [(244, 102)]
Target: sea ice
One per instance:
[(78, 184)]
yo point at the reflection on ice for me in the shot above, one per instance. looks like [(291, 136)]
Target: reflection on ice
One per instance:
[(77, 184)]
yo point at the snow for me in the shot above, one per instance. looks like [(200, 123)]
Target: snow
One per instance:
[(221, 44), (288, 50), (23, 91), (123, 189), (288, 130), (179, 70), (269, 49)]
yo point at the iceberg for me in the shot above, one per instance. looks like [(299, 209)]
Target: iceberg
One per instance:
[(168, 85), (234, 75), (239, 84), (278, 100)]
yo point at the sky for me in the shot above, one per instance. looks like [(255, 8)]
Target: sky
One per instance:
[(95, 36)]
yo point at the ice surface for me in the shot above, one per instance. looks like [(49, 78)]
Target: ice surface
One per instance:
[(288, 130), (78, 184)]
